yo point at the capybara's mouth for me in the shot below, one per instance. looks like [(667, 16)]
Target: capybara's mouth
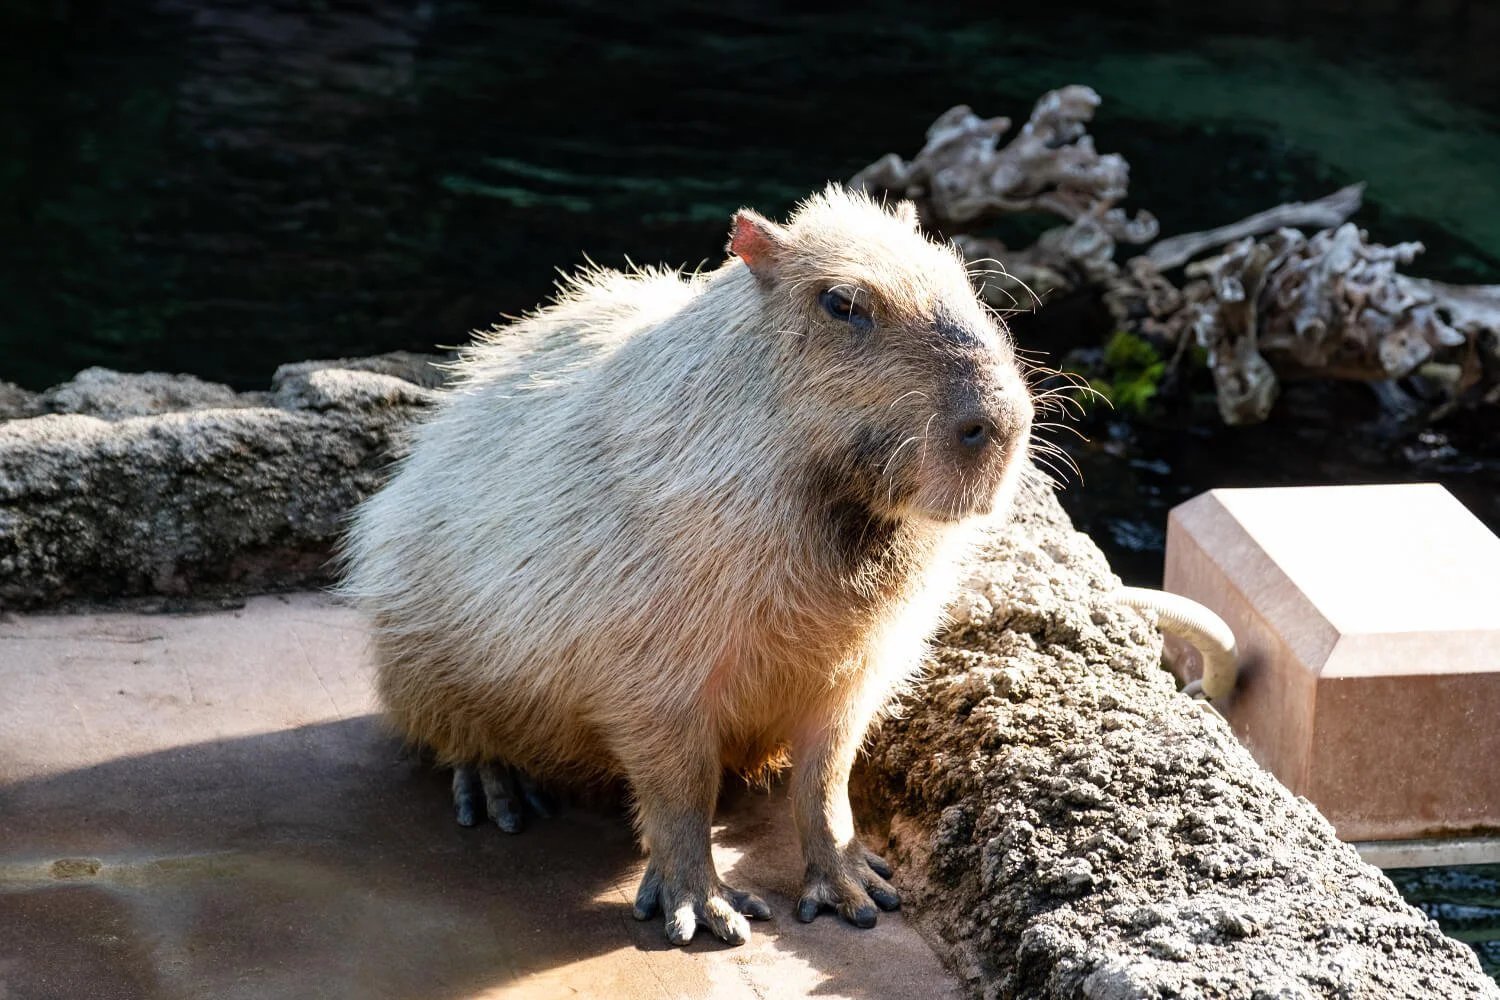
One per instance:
[(955, 502), (965, 490)]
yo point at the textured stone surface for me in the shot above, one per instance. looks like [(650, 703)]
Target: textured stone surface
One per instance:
[(227, 496), (112, 395), (1072, 827), (14, 401), (419, 368)]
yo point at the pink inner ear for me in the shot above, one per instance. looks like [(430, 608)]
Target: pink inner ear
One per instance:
[(752, 242)]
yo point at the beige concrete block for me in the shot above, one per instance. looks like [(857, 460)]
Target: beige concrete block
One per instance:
[(1368, 621)]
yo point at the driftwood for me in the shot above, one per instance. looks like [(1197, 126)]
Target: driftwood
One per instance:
[(1331, 305), (1060, 261), (1474, 311), (1325, 213), (1272, 303), (962, 178)]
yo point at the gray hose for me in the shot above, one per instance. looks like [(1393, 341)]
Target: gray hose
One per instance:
[(1196, 625)]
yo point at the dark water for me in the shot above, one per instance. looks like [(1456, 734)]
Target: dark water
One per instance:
[(1465, 901), (220, 186)]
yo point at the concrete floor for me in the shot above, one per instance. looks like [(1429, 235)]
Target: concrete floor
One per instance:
[(204, 806)]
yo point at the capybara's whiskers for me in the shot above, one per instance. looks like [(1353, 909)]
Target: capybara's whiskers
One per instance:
[(1035, 298), (1053, 452), (926, 428), (885, 470), (1051, 425), (905, 395), (1015, 302), (1045, 452), (890, 489)]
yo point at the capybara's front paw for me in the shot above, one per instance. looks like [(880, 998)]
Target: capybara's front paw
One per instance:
[(718, 907), (853, 885)]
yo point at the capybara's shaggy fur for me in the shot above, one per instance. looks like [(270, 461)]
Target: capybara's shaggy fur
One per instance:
[(672, 524)]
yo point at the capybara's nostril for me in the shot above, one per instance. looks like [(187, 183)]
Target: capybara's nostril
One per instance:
[(974, 434)]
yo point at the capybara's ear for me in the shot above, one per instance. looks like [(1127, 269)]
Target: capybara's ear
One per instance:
[(758, 242), (906, 211)]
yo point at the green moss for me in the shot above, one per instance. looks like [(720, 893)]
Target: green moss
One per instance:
[(1129, 374)]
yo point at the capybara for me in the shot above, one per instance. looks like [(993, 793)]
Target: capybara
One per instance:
[(675, 524)]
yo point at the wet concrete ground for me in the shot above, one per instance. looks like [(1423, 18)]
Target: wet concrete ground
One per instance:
[(205, 806)]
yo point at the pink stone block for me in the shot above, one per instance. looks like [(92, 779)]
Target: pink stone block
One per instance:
[(1368, 621)]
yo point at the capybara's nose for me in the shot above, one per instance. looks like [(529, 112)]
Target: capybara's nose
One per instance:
[(975, 432)]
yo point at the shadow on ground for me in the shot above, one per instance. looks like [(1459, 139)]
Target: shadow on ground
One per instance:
[(321, 861)]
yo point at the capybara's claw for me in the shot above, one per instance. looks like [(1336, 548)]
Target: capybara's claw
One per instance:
[(748, 903), (720, 908), (880, 866), (854, 888), (466, 795), (503, 790)]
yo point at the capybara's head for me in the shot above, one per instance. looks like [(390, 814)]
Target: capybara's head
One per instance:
[(906, 387)]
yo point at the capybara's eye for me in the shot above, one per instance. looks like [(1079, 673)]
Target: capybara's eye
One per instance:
[(843, 306)]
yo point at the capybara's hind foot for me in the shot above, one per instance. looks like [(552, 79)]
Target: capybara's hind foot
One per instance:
[(505, 791), (854, 885), (720, 908)]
